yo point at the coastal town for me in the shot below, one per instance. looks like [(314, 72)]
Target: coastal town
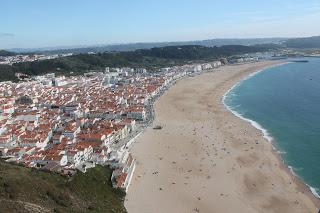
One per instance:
[(71, 124), (159, 106)]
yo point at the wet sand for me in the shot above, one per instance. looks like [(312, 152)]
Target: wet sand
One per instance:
[(205, 159)]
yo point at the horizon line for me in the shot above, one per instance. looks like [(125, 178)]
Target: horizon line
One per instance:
[(79, 46)]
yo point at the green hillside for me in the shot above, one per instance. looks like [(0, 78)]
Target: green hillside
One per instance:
[(6, 53), (7, 73), (147, 58), (29, 190)]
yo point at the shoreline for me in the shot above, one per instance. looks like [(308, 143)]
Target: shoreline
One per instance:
[(304, 187), (143, 179)]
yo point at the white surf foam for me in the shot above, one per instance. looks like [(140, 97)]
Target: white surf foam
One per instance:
[(265, 133), (292, 171), (314, 191), (281, 152)]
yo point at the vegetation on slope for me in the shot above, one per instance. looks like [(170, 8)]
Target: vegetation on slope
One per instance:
[(6, 53), (30, 190), (7, 73), (193, 52), (147, 58)]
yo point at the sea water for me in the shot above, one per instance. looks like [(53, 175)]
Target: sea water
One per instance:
[(284, 103)]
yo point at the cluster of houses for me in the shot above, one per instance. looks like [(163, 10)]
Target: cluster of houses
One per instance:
[(240, 60), (9, 60), (70, 124)]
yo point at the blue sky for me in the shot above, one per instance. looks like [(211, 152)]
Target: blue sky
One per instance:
[(43, 23)]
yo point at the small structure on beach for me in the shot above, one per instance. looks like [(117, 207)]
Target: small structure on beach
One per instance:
[(157, 127)]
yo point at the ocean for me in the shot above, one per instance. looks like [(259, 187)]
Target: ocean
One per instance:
[(284, 103)]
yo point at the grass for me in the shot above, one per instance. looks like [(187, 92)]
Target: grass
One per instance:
[(30, 190)]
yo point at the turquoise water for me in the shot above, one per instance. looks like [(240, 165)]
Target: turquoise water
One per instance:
[(285, 101)]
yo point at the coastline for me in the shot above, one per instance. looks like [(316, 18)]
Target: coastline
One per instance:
[(179, 196), (304, 187)]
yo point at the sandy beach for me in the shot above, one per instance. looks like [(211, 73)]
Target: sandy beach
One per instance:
[(205, 159)]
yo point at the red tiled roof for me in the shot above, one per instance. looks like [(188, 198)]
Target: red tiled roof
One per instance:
[(121, 179)]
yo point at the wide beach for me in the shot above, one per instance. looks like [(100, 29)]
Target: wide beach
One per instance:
[(205, 159)]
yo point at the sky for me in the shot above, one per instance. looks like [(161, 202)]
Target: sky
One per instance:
[(47, 23)]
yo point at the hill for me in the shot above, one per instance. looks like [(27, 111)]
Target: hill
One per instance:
[(148, 58), (6, 53), (195, 52), (7, 73), (310, 42), (30, 190)]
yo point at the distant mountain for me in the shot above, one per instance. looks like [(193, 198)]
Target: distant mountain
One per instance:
[(309, 42), (136, 46), (6, 53)]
